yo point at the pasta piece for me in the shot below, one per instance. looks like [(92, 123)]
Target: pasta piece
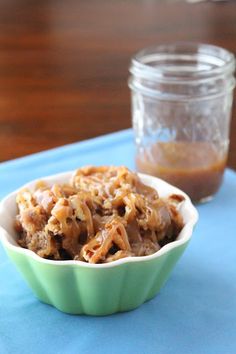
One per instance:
[(118, 255), (97, 249), (82, 212)]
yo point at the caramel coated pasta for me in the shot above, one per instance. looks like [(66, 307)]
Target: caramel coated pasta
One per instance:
[(103, 214)]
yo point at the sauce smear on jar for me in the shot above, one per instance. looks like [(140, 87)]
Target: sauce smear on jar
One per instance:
[(194, 167)]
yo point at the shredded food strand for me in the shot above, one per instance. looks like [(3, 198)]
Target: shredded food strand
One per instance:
[(104, 214)]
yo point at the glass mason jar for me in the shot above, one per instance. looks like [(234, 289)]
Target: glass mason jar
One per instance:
[(181, 108)]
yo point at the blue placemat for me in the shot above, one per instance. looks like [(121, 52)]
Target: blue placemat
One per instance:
[(194, 313)]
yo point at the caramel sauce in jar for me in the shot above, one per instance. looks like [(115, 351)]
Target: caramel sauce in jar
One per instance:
[(194, 167)]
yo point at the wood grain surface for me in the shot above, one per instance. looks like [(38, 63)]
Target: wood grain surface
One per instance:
[(64, 64)]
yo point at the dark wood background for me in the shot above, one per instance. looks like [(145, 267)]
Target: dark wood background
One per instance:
[(64, 64)]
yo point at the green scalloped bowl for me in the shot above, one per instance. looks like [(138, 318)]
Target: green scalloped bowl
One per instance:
[(76, 287)]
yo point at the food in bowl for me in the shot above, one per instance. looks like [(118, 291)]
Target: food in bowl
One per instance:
[(101, 215), (77, 287)]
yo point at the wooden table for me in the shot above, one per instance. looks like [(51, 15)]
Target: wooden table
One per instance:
[(64, 64)]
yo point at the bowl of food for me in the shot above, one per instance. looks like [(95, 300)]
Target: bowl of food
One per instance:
[(98, 240)]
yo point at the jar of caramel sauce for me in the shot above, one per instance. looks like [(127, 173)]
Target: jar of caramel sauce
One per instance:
[(194, 167), (182, 97)]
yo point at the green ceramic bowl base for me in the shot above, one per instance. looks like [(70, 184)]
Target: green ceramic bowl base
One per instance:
[(80, 290)]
